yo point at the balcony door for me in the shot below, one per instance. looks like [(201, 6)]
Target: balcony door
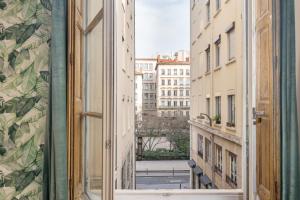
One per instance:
[(267, 149)]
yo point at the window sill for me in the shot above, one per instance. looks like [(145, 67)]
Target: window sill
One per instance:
[(207, 73), (207, 25), (199, 77), (217, 12), (217, 68), (232, 60), (219, 126), (232, 129), (189, 194)]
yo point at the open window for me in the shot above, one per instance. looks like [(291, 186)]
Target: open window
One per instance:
[(99, 118)]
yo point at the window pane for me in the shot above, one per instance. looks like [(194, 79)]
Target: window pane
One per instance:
[(93, 7), (93, 130)]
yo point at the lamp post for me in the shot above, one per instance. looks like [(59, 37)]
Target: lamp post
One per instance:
[(202, 116)]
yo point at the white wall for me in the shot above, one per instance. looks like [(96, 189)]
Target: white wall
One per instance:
[(179, 195)]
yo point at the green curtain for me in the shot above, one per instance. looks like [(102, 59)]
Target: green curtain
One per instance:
[(290, 159), (55, 162)]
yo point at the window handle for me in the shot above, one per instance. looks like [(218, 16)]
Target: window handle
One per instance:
[(258, 115), (92, 114)]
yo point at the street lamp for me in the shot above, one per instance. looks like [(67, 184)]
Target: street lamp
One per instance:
[(203, 115)]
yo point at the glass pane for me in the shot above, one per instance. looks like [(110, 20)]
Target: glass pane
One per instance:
[(93, 133), (92, 8), (93, 157)]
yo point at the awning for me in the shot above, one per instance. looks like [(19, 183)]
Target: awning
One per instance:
[(192, 163), (205, 180), (198, 171)]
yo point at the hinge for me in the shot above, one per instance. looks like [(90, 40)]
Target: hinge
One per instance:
[(108, 144)]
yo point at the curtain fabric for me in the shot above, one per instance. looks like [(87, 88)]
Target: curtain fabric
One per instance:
[(290, 159), (55, 161)]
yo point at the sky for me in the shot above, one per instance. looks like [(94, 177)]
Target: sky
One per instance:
[(162, 26)]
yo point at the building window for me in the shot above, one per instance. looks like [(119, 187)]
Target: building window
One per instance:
[(231, 179), (175, 82), (175, 71), (162, 82), (231, 111), (169, 71), (169, 103), (218, 110), (187, 93), (187, 113), (181, 71), (200, 145), (208, 106), (181, 113), (218, 4), (169, 93), (175, 93), (219, 158), (181, 81), (150, 66), (175, 103), (187, 72), (162, 103), (169, 82), (181, 92), (207, 150), (187, 103), (218, 52), (208, 11), (231, 43), (162, 72), (181, 103), (163, 93), (207, 52)]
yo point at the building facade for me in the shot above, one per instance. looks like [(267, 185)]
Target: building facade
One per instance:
[(173, 88), (138, 93), (125, 74), (147, 67), (216, 93)]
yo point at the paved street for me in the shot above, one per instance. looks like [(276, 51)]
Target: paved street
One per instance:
[(162, 175)]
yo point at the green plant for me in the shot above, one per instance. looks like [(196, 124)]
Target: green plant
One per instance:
[(217, 119)]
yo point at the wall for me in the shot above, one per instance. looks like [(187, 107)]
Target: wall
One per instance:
[(124, 108), (24, 52)]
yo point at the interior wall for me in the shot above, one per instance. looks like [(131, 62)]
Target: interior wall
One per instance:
[(24, 57)]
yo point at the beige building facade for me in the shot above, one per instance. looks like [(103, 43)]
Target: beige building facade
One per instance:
[(173, 88), (147, 67), (216, 93), (124, 163)]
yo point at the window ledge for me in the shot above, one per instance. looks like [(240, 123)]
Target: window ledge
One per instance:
[(207, 25), (207, 73), (199, 77), (217, 12), (189, 194), (217, 68), (232, 60), (218, 126), (233, 129)]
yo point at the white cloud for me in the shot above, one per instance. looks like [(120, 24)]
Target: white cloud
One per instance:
[(162, 26)]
